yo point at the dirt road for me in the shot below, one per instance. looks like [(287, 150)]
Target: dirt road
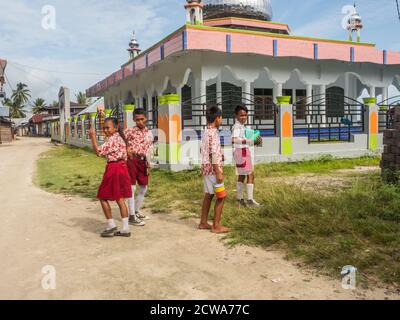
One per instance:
[(168, 259)]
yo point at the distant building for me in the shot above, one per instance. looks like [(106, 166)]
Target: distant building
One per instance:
[(40, 124)]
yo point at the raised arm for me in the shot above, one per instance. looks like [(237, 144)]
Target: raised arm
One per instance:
[(92, 135)]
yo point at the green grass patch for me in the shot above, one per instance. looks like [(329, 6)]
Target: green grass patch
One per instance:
[(358, 225), (71, 171)]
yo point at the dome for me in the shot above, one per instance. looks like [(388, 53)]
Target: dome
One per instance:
[(253, 9)]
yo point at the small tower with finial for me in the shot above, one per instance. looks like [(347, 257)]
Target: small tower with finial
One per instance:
[(194, 12), (355, 25), (134, 48)]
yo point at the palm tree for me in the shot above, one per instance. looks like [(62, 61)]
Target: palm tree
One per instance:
[(39, 105), (82, 99), (55, 103), (16, 108), (21, 94)]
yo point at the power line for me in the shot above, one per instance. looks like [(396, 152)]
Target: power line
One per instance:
[(398, 8), (45, 81), (57, 71)]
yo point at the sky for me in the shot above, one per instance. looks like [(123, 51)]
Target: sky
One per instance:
[(88, 39)]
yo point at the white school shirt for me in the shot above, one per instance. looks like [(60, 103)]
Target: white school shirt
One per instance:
[(239, 132)]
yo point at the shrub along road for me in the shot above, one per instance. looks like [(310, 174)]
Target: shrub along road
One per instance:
[(168, 259)]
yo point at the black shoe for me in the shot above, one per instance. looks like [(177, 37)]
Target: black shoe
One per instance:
[(242, 203), (109, 233)]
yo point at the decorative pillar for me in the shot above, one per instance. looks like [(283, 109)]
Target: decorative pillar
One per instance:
[(248, 100), (203, 101), (372, 91), (170, 131), (76, 119), (371, 122), (219, 90), (285, 125), (128, 116), (385, 95), (322, 92), (309, 101), (278, 91), (83, 127)]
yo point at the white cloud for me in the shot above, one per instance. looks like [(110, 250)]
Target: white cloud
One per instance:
[(90, 37)]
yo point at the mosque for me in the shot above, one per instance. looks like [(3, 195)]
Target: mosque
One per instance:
[(230, 52)]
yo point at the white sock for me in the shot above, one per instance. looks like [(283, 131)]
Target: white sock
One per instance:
[(131, 202), (250, 191), (140, 198), (125, 224), (111, 224), (240, 190)]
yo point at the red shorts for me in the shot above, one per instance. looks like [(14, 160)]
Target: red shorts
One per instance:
[(138, 171), (116, 183), (243, 160)]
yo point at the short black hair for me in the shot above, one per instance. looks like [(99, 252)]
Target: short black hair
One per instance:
[(241, 108), (139, 112), (212, 113)]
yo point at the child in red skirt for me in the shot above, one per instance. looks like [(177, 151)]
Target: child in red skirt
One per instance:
[(243, 157), (116, 183), (140, 140)]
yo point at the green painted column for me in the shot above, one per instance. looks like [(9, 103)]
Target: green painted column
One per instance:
[(285, 125), (169, 131), (372, 123)]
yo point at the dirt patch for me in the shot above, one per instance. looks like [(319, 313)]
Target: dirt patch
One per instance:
[(327, 183)]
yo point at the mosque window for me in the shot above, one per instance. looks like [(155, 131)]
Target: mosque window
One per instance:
[(301, 104), (231, 98), (187, 102), (263, 104), (335, 102), (211, 92)]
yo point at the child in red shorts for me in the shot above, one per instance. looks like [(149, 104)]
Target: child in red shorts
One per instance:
[(116, 183), (140, 140)]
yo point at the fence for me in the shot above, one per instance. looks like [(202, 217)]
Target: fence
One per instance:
[(328, 118)]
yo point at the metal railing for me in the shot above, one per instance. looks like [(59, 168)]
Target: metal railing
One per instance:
[(322, 121), (386, 113), (261, 116)]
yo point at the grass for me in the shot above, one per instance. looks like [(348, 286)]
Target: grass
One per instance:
[(358, 225)]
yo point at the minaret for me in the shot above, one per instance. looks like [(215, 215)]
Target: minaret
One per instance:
[(194, 12), (355, 25), (134, 48)]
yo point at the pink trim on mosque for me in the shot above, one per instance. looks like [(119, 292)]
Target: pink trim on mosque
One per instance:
[(247, 23), (207, 38)]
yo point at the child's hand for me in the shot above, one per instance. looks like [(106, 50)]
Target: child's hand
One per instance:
[(220, 177)]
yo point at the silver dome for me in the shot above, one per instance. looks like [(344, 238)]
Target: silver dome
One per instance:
[(253, 9)]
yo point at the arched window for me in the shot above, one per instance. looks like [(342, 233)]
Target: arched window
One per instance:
[(231, 98), (186, 102), (335, 102)]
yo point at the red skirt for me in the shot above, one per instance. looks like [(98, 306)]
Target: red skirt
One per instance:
[(138, 171), (243, 160), (116, 183)]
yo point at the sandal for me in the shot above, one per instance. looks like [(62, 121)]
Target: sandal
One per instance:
[(122, 234)]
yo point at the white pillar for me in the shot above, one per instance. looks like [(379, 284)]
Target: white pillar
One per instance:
[(202, 89), (278, 89), (150, 106), (309, 100), (322, 92), (385, 95), (372, 91), (219, 90), (248, 99)]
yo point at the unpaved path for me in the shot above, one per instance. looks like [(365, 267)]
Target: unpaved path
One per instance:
[(168, 259)]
